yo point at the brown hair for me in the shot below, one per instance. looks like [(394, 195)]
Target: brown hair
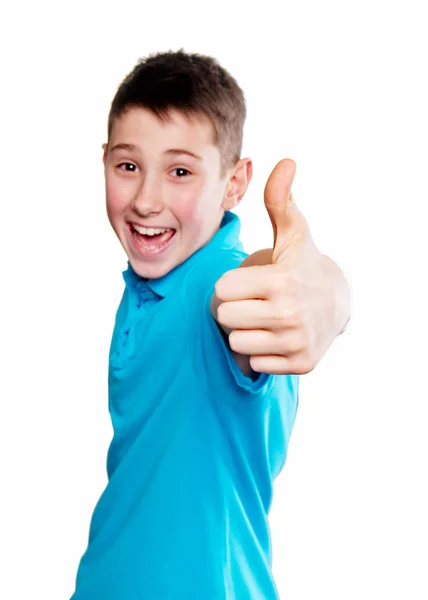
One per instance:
[(193, 84)]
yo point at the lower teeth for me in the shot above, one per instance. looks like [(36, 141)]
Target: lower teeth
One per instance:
[(146, 239)]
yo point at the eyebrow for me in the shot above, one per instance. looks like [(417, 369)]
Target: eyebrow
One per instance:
[(174, 151)]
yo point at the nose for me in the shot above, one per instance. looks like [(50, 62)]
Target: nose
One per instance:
[(148, 198)]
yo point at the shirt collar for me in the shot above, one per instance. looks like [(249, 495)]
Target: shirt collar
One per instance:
[(225, 238)]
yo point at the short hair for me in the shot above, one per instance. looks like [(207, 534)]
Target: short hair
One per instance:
[(194, 84)]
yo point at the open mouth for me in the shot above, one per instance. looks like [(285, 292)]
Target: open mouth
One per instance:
[(151, 240)]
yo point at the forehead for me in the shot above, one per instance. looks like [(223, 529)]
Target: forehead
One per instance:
[(139, 125)]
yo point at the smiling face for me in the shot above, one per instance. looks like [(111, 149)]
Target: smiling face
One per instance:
[(166, 175)]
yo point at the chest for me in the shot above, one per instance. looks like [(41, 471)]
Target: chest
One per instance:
[(148, 346)]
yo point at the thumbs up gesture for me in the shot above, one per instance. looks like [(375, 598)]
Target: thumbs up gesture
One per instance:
[(280, 307)]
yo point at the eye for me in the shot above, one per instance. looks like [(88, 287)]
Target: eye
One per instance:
[(127, 164), (181, 172)]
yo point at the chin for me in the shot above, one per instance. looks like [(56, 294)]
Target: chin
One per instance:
[(150, 271)]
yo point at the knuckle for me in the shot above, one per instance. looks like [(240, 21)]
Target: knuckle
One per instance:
[(304, 365), (278, 284), (288, 315), (294, 345), (304, 343), (295, 316)]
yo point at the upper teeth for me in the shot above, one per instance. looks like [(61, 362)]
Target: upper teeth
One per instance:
[(149, 230)]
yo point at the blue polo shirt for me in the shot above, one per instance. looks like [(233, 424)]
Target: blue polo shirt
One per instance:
[(196, 447)]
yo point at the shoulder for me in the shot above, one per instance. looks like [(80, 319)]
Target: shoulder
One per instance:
[(210, 340), (204, 273)]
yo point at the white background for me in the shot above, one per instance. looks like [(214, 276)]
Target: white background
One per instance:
[(339, 87)]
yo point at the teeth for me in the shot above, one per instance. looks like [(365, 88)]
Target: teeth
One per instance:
[(149, 230)]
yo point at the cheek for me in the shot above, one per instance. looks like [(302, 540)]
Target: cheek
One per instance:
[(115, 200), (186, 212), (192, 208)]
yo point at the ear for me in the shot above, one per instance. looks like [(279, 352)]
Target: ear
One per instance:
[(104, 147), (238, 183)]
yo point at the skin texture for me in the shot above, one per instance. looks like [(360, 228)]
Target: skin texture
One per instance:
[(282, 309), (156, 189)]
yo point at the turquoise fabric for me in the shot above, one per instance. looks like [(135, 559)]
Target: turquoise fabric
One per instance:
[(196, 447)]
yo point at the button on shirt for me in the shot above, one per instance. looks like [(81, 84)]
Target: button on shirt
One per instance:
[(196, 447)]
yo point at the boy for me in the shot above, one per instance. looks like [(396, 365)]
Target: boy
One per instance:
[(199, 437)]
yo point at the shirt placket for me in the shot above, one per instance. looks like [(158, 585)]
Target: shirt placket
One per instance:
[(140, 297)]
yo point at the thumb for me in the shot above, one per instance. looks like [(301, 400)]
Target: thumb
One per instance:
[(287, 220)]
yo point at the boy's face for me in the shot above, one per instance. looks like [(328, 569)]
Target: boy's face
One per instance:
[(155, 182)]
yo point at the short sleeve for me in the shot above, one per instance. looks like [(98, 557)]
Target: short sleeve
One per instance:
[(212, 357)]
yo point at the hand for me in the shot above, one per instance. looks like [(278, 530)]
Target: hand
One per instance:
[(280, 308)]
